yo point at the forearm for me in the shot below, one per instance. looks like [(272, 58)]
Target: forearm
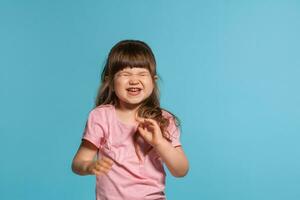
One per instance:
[(174, 159), (81, 167), (84, 158)]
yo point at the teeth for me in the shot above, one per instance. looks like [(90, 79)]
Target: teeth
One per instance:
[(133, 89)]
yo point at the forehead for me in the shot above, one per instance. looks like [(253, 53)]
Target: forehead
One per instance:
[(134, 70)]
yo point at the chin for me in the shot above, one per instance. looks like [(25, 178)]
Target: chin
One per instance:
[(134, 102)]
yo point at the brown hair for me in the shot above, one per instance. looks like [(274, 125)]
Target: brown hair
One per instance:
[(133, 53)]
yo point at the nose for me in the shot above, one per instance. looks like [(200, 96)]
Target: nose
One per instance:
[(133, 80)]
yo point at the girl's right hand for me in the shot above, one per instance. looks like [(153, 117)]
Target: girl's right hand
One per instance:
[(100, 167)]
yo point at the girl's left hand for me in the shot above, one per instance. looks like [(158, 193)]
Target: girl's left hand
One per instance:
[(150, 131)]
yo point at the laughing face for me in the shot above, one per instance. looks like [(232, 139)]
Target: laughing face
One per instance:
[(132, 86)]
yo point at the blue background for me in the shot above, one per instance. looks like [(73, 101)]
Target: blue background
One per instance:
[(229, 69)]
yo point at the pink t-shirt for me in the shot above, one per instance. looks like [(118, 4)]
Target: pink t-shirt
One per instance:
[(129, 177)]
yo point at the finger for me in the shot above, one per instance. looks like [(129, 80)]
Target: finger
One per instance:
[(97, 167), (139, 119), (151, 121), (145, 121), (142, 123), (107, 160), (105, 171), (104, 162), (142, 132), (97, 164), (148, 127), (152, 124), (101, 169), (106, 165), (97, 172), (100, 173), (101, 164), (145, 124)]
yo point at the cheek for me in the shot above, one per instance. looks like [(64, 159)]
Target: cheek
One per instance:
[(117, 88), (150, 85), (117, 84)]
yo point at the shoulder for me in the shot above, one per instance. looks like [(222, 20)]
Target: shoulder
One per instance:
[(102, 111), (168, 115), (173, 120), (173, 128), (103, 108)]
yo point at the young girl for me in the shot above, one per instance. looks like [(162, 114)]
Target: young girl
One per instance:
[(128, 136)]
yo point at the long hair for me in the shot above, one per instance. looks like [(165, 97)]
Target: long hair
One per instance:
[(133, 54)]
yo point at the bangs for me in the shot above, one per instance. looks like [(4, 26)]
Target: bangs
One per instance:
[(133, 57), (132, 61)]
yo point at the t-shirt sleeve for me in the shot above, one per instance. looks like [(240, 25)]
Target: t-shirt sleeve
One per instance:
[(94, 131), (174, 132)]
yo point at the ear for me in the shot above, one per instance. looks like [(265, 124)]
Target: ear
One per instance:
[(155, 77)]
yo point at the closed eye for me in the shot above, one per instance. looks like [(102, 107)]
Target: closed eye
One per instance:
[(144, 74), (124, 74)]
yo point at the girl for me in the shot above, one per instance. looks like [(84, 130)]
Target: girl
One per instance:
[(128, 136)]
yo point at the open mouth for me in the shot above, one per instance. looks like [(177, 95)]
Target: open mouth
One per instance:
[(134, 90)]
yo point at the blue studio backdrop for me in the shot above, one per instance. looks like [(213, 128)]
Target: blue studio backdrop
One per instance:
[(230, 70)]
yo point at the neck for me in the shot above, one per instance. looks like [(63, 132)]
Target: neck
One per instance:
[(127, 113), (129, 108)]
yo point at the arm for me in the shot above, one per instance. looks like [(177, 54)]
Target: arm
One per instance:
[(85, 162), (173, 157)]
